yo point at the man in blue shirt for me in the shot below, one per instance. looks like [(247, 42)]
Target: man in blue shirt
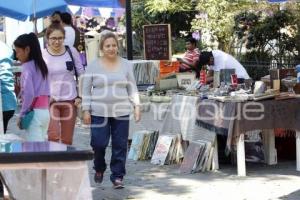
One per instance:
[(9, 101)]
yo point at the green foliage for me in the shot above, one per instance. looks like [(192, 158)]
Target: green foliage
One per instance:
[(178, 45), (178, 14), (257, 57), (217, 17), (243, 22), (256, 63), (274, 34), (175, 6)]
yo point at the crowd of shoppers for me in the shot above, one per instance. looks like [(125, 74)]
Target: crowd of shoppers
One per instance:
[(51, 93)]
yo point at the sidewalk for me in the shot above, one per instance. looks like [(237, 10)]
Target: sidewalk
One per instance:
[(145, 181)]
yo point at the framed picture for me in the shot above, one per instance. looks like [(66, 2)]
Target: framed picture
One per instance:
[(185, 79), (225, 75)]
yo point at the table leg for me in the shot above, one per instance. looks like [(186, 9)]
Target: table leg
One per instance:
[(241, 163), (44, 184), (215, 161), (298, 149), (269, 146)]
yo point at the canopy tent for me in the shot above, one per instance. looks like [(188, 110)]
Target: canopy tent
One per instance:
[(112, 4), (98, 3), (88, 11), (277, 1), (22, 9)]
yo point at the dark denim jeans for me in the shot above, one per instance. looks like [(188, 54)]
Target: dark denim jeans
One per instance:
[(101, 130)]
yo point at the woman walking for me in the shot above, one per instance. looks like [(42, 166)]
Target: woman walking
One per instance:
[(34, 86), (109, 90), (63, 63)]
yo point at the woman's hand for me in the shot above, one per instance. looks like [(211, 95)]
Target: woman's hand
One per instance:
[(137, 113), (77, 102), (19, 122), (51, 100), (86, 117)]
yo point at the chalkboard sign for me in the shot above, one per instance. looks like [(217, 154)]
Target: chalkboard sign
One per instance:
[(157, 42)]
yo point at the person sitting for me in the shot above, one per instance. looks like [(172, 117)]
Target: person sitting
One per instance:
[(191, 56), (216, 60)]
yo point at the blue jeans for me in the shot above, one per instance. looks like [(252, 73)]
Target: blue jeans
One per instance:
[(101, 130)]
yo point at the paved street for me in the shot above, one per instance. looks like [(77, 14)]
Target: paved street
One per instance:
[(147, 181)]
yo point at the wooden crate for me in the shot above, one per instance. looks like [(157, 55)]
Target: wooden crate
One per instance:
[(166, 67)]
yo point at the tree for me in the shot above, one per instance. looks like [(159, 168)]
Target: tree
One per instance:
[(178, 13), (274, 34), (217, 18)]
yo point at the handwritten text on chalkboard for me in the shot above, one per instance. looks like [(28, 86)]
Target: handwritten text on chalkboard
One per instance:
[(157, 42)]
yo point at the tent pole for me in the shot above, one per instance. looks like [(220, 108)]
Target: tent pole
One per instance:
[(34, 16), (128, 30)]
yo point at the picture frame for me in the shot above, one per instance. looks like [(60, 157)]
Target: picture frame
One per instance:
[(185, 79)]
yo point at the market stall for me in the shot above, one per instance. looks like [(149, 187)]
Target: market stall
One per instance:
[(46, 169)]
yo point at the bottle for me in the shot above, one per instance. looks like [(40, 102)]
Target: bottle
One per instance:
[(222, 88), (203, 77)]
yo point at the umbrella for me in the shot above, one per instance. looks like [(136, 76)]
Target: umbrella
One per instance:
[(22, 9)]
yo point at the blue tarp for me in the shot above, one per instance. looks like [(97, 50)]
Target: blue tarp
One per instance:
[(22, 9), (277, 1), (96, 3)]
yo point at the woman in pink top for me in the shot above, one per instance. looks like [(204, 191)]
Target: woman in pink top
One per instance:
[(34, 86), (64, 95)]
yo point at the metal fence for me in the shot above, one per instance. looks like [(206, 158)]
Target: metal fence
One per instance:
[(256, 70)]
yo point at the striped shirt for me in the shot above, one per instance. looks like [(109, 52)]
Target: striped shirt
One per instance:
[(190, 57)]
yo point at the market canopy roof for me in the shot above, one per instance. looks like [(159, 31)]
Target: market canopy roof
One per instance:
[(98, 3), (22, 9), (277, 1)]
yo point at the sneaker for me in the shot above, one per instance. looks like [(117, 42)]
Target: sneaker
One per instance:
[(118, 184), (98, 178)]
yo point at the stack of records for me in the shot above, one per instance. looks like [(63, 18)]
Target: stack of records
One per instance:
[(143, 144), (198, 157), (168, 150)]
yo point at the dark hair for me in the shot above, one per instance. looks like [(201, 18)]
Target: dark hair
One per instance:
[(56, 13), (30, 40), (66, 18), (53, 27), (204, 58), (191, 40), (56, 20)]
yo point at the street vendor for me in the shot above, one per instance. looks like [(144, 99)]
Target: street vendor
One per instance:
[(191, 56), (216, 60)]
